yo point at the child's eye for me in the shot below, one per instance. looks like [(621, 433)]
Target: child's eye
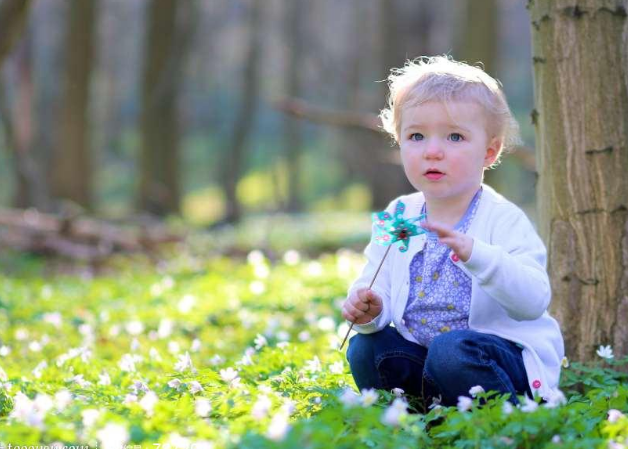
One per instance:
[(456, 137), (416, 136)]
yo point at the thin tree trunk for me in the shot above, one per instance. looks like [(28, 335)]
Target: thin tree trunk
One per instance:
[(30, 188), (13, 15), (294, 21), (478, 41), (233, 166), (167, 38), (71, 172), (580, 56)]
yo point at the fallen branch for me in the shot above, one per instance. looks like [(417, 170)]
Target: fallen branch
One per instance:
[(78, 238)]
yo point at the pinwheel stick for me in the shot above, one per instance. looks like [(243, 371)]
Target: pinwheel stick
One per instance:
[(370, 286)]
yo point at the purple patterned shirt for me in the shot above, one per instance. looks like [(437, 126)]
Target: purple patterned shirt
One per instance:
[(440, 292)]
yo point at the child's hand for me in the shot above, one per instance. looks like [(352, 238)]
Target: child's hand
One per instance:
[(362, 306), (460, 243)]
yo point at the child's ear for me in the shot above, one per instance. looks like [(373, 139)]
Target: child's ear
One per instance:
[(492, 151)]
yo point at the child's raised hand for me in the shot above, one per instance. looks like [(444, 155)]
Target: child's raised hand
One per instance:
[(362, 306), (461, 244)]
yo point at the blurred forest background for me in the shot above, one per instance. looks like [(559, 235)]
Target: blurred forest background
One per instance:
[(211, 111)]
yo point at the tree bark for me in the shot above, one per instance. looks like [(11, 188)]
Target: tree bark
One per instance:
[(580, 56), (13, 15), (71, 171), (166, 40), (234, 158), (294, 35)]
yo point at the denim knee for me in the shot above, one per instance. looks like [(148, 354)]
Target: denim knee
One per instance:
[(447, 354), (360, 351)]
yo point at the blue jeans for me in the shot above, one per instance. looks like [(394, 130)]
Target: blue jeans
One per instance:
[(455, 362)]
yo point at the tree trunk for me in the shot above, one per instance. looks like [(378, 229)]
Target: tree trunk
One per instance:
[(294, 35), (13, 15), (159, 190), (71, 172), (580, 68), (234, 158), (478, 41), (30, 187)]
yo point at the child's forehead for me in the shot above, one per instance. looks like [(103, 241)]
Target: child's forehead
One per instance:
[(451, 111)]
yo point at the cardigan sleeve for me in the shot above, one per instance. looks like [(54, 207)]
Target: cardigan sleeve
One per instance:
[(511, 269), (382, 285)]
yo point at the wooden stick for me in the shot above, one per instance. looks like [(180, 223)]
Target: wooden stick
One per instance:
[(370, 286)]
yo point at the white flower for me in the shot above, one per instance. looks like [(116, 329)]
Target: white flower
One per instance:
[(529, 405), (565, 362), (261, 407), (260, 341), (187, 303), (165, 328), (257, 287), (606, 352), (314, 269), (349, 398), (196, 345), (283, 345), (614, 415), (127, 363), (282, 336), (173, 347), (395, 412), (228, 375), (78, 379), (278, 427), (474, 391), (216, 360), (255, 257), (135, 345), (337, 367), (195, 387), (104, 379), (291, 257), (138, 386), (313, 366), (464, 403), (507, 408), (177, 441), (63, 398), (556, 439), (113, 436), (53, 318), (90, 416), (304, 336), (154, 354), (134, 327), (398, 392), (184, 363), (39, 368), (3, 375), (202, 407), (289, 406), (130, 399), (555, 399), (5, 351), (34, 346), (31, 412), (369, 397), (261, 271), (326, 324), (148, 402), (174, 383)]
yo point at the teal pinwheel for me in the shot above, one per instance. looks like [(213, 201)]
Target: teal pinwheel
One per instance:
[(394, 228), (390, 229)]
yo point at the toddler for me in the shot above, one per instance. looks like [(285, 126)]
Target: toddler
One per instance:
[(468, 300)]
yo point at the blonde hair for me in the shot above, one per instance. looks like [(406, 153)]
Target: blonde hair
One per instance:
[(442, 79)]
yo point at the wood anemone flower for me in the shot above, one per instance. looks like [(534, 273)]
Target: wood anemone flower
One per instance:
[(390, 229)]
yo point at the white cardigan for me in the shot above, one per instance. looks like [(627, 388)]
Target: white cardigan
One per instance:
[(510, 287)]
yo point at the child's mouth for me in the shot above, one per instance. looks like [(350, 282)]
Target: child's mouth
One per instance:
[(433, 174)]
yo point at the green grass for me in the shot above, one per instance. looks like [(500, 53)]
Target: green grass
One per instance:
[(95, 358)]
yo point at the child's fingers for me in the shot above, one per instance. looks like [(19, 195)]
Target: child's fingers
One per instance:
[(353, 311)]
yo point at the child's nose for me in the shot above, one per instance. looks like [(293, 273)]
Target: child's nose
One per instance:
[(433, 149)]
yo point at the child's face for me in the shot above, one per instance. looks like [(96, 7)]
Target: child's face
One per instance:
[(445, 148)]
